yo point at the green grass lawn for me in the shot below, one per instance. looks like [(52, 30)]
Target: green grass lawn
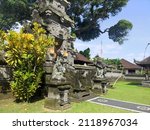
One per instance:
[(122, 91), (128, 91), (9, 106)]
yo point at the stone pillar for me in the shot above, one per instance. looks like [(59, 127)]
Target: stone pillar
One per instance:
[(57, 88), (51, 14), (58, 96)]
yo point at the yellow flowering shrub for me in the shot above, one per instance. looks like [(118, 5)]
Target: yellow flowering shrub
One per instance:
[(25, 53)]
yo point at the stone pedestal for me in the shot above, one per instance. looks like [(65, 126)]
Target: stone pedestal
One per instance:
[(104, 89), (58, 96), (100, 85)]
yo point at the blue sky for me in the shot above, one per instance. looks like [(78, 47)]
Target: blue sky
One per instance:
[(137, 12)]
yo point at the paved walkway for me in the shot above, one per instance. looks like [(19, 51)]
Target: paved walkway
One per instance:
[(121, 104)]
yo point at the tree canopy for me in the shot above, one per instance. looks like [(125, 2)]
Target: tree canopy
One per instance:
[(113, 62), (12, 11), (87, 14)]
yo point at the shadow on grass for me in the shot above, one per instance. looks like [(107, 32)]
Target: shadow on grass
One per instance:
[(134, 83), (40, 94), (9, 95)]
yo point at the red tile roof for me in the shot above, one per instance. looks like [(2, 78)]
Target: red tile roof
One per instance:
[(82, 58), (128, 65)]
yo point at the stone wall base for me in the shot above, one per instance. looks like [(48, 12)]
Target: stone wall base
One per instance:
[(146, 84), (54, 104)]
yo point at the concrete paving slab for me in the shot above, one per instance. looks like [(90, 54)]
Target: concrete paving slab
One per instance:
[(135, 107)]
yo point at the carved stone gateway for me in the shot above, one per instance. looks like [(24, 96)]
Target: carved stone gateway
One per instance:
[(63, 78), (51, 14)]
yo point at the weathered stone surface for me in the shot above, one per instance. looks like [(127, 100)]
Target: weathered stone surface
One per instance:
[(52, 15), (5, 78), (56, 22), (58, 95), (100, 84), (53, 93), (48, 68), (48, 78), (62, 76)]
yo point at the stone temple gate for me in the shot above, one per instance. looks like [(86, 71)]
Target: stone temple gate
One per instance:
[(64, 80)]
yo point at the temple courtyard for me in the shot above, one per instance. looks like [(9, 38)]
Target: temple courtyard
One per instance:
[(126, 91)]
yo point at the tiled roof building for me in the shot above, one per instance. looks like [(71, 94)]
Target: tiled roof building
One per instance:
[(129, 68), (144, 63), (81, 59)]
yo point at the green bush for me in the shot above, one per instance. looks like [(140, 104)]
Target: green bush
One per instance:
[(25, 53)]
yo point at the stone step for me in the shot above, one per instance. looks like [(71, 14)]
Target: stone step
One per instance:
[(83, 94)]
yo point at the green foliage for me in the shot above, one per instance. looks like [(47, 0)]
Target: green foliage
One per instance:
[(119, 31), (25, 84), (12, 11), (114, 62), (87, 15), (25, 53), (86, 53)]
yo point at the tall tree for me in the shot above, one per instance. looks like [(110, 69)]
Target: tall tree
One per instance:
[(12, 11), (87, 14)]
